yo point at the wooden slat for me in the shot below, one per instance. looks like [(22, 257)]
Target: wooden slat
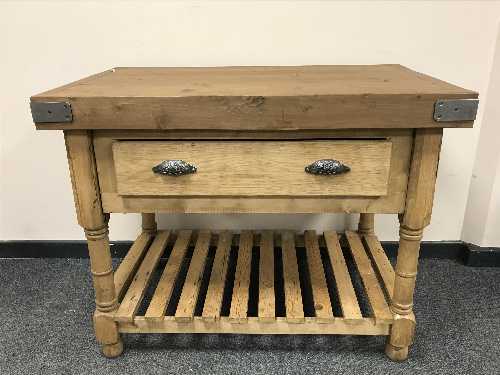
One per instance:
[(267, 300), (311, 325), (127, 268), (163, 292), (239, 301), (382, 263), (322, 304), (373, 290), (347, 296), (213, 299), (293, 295), (135, 292), (280, 326), (191, 288)]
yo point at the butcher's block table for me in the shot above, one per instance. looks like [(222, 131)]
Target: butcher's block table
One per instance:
[(307, 139)]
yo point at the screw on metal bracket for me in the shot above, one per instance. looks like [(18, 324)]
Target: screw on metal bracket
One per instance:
[(449, 110), (51, 112)]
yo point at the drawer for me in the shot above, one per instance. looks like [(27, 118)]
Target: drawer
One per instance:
[(252, 168)]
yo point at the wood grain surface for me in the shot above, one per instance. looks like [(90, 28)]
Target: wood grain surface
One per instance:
[(241, 168), (294, 97)]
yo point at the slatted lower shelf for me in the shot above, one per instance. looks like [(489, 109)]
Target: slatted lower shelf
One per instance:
[(268, 283)]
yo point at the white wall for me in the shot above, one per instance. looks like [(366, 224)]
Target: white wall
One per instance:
[(482, 216), (48, 43)]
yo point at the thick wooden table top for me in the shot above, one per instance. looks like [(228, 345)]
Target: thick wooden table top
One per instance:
[(255, 98)]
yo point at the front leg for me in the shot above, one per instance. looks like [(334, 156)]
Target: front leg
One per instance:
[(419, 198), (101, 267), (95, 223), (403, 328)]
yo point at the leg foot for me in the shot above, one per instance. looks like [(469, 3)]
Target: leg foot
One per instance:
[(396, 354), (112, 350), (106, 332)]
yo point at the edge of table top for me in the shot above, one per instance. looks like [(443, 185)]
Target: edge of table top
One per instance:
[(255, 98), (267, 81)]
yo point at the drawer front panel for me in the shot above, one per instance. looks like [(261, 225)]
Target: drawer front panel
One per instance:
[(252, 168)]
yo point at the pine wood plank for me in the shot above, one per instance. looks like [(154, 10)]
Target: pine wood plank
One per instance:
[(256, 80), (163, 291), (137, 288), (293, 295), (128, 266), (393, 202), (347, 296), (257, 98), (382, 263), (369, 161), (213, 299), (280, 326), (372, 287), (239, 300), (267, 300), (191, 288), (322, 304)]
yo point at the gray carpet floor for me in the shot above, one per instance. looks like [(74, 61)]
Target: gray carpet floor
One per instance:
[(46, 304)]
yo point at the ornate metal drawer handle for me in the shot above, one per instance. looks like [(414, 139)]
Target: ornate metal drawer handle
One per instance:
[(174, 168), (327, 167)]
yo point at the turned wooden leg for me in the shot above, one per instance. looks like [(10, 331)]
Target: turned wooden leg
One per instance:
[(95, 223), (106, 329), (403, 328), (419, 198), (149, 223), (366, 225)]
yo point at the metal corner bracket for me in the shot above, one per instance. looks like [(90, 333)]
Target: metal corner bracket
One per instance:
[(43, 112), (449, 110)]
